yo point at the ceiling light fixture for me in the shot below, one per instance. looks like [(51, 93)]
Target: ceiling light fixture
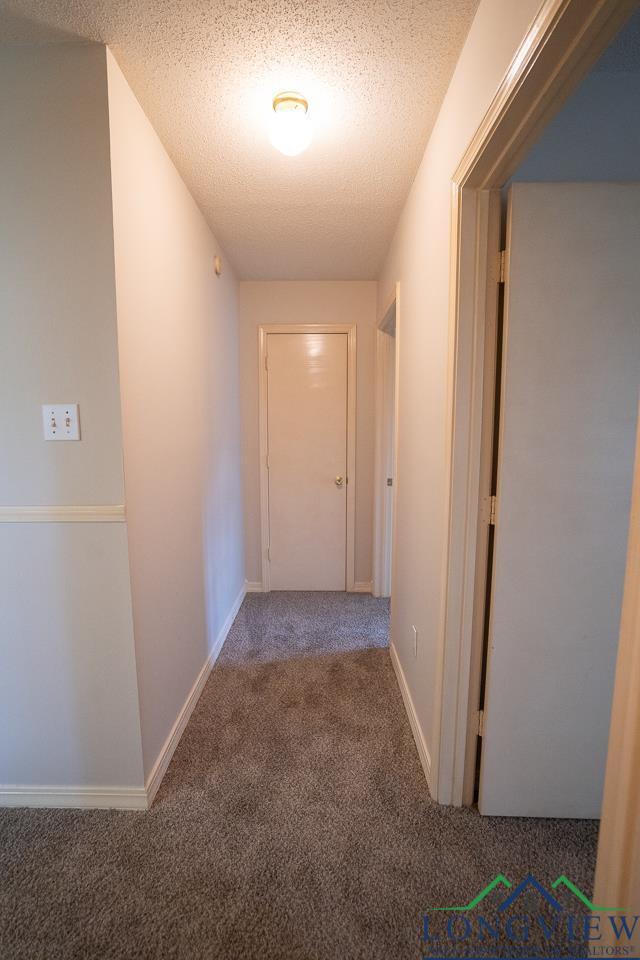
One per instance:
[(290, 127)]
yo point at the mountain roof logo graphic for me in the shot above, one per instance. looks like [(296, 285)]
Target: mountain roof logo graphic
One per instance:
[(529, 883)]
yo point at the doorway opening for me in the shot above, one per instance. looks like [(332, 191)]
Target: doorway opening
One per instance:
[(565, 40), (567, 386)]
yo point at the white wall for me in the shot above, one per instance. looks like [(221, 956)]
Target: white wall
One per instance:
[(178, 343), (303, 301), (419, 259), (68, 696)]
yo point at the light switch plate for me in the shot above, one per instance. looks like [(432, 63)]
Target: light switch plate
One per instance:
[(60, 421)]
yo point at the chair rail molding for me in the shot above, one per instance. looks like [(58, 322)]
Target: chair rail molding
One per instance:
[(103, 513)]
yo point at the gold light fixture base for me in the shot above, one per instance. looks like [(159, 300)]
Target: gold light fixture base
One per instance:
[(289, 100)]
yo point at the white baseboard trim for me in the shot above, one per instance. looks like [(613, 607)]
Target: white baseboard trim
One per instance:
[(120, 798), (362, 586), (164, 759), (253, 586), (416, 730)]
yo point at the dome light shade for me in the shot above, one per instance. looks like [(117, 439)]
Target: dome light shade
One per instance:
[(290, 127)]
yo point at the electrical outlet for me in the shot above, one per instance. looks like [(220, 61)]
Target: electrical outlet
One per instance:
[(415, 641)]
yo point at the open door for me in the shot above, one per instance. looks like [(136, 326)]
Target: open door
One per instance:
[(385, 456), (569, 395)]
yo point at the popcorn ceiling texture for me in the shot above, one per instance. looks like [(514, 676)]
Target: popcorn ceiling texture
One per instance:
[(374, 71)]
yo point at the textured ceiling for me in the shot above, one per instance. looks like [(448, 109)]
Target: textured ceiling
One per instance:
[(374, 72)]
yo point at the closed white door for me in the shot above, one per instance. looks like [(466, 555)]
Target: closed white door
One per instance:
[(570, 380), (307, 460)]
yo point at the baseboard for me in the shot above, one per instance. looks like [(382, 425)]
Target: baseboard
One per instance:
[(418, 736), (164, 758), (121, 798), (362, 586)]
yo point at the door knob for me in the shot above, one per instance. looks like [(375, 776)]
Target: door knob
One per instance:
[(339, 481)]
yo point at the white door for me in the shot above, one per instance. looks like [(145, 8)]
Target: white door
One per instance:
[(307, 460), (389, 440), (570, 378)]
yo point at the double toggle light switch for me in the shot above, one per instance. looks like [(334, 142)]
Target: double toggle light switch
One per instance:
[(60, 421)]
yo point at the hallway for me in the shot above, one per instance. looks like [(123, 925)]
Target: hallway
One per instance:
[(294, 820)]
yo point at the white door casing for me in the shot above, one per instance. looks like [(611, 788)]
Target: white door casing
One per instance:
[(307, 456), (571, 371)]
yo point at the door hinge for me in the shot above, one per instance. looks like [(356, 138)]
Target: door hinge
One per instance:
[(492, 511), (266, 460), (266, 361), (268, 553), (481, 723), (502, 266), (389, 481)]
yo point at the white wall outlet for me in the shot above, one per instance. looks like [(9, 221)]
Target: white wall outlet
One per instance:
[(60, 421), (415, 641)]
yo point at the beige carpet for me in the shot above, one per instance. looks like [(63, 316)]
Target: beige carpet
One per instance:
[(294, 820)]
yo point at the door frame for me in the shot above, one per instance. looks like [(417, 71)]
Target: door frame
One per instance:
[(264, 331), (617, 878), (563, 42), (383, 523)]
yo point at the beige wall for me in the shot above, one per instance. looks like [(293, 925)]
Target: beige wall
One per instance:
[(419, 259), (83, 706), (308, 302), (68, 696), (58, 334), (178, 341)]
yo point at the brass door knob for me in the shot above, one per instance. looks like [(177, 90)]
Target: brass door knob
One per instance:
[(339, 481)]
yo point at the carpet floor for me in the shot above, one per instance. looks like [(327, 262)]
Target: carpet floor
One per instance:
[(294, 820)]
